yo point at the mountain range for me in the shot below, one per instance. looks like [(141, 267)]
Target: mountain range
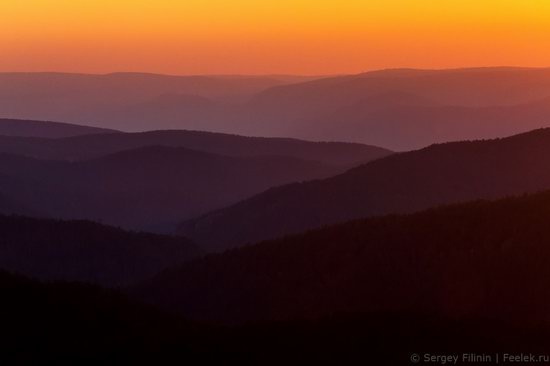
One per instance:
[(152, 180), (130, 101), (45, 129), (479, 260), (93, 145), (64, 322), (400, 109), (52, 250), (169, 232), (146, 188), (401, 183)]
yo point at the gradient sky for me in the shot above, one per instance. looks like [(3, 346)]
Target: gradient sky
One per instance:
[(265, 37)]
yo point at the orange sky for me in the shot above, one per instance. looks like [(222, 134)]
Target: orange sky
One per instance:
[(282, 36)]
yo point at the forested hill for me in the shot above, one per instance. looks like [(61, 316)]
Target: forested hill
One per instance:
[(401, 183), (86, 251), (67, 323), (476, 260)]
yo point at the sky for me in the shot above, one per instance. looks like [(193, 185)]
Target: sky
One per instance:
[(308, 37)]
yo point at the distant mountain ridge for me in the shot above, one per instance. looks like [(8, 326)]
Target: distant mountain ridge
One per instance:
[(403, 182), (361, 108), (409, 122), (442, 105), (96, 145), (149, 180), (46, 129), (125, 100), (148, 188)]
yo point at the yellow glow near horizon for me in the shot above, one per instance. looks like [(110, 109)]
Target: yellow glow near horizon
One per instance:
[(283, 36)]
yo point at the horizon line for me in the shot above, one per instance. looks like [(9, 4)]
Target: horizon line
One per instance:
[(254, 75)]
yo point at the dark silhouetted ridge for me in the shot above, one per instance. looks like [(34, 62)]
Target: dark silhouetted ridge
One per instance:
[(480, 260), (147, 188), (86, 147), (404, 182), (70, 322), (46, 129), (86, 251)]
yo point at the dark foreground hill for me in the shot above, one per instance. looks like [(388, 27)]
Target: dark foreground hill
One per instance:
[(68, 323), (149, 188), (86, 251), (475, 260), (45, 129), (7, 206), (92, 146), (401, 183)]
